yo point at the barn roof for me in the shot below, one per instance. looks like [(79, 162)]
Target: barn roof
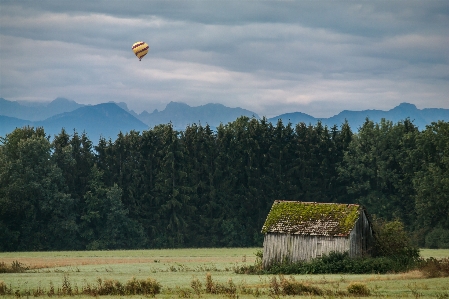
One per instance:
[(311, 218)]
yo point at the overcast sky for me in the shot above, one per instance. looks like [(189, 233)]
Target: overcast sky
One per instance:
[(270, 57)]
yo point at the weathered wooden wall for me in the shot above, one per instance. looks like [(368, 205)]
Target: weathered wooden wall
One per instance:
[(361, 237), (278, 247)]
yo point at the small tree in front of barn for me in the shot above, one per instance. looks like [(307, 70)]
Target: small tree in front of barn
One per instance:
[(393, 241)]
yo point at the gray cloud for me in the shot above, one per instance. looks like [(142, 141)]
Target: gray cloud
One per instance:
[(318, 57)]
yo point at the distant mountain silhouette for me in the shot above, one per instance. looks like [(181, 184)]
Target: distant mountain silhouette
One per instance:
[(105, 120), (294, 118), (109, 119), (37, 111), (419, 117), (181, 115)]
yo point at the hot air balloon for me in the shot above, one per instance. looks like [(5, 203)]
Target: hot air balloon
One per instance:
[(140, 49)]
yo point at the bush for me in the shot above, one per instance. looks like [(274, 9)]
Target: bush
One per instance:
[(110, 287), (293, 287), (334, 263), (391, 240), (358, 288), (432, 267), (142, 287)]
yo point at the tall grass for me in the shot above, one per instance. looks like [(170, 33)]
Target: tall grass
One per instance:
[(147, 287), (16, 267)]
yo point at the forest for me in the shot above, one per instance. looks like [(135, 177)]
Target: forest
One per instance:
[(199, 187)]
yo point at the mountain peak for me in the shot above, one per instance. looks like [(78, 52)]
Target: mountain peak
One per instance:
[(176, 105), (405, 106)]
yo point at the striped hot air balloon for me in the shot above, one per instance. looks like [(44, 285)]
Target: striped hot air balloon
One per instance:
[(140, 49)]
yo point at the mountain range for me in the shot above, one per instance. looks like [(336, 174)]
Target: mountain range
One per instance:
[(419, 117), (108, 119)]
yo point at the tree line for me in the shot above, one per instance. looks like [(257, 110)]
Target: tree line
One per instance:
[(199, 187)]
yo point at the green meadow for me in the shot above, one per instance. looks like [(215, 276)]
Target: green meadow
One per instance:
[(176, 269)]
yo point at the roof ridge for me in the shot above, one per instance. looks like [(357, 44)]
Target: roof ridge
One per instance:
[(315, 202)]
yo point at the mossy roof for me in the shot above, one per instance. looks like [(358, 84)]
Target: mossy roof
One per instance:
[(311, 218)]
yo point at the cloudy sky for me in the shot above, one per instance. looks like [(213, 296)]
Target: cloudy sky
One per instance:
[(270, 57)]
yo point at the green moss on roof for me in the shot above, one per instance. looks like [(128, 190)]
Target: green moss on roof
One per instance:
[(311, 218)]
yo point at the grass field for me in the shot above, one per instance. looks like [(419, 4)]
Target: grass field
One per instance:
[(176, 269)]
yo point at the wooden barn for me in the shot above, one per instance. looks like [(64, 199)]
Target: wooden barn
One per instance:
[(298, 231)]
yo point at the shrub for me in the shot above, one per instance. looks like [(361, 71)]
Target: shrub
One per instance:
[(432, 267), (391, 240), (358, 288), (293, 287), (209, 284), (66, 288), (109, 287), (275, 287), (336, 262), (196, 286), (142, 287)]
